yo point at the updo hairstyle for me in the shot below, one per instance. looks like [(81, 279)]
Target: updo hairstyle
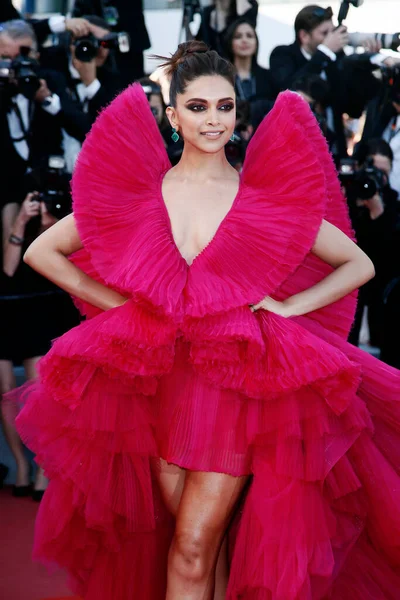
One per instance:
[(192, 60)]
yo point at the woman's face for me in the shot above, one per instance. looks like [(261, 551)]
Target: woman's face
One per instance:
[(244, 41), (205, 113)]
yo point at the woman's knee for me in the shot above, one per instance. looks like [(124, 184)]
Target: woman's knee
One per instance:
[(7, 377), (193, 554)]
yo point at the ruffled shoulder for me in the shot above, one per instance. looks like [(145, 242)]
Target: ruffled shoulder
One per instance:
[(338, 316), (115, 190), (282, 201)]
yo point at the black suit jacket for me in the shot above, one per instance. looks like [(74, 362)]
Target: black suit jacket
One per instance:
[(45, 139), (350, 80), (74, 120)]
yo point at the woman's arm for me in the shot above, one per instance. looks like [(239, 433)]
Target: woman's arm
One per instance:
[(48, 255), (352, 267), (14, 219)]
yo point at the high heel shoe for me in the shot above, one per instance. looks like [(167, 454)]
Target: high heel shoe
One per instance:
[(3, 474), (37, 495), (21, 491)]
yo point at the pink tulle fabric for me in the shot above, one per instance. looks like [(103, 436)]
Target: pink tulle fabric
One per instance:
[(185, 371)]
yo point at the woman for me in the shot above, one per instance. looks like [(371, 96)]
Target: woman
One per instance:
[(219, 15), (206, 380), (33, 312), (252, 82)]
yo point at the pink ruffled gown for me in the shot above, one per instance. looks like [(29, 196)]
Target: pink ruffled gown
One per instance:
[(185, 371)]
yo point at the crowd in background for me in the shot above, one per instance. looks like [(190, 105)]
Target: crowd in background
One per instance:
[(58, 73)]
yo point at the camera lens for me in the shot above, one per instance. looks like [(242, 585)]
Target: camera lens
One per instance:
[(86, 49)]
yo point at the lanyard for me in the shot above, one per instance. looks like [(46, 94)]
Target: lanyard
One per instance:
[(240, 90)]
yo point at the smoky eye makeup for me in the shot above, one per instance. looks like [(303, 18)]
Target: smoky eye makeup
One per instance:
[(198, 106)]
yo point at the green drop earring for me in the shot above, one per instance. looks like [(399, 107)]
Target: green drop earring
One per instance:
[(175, 135)]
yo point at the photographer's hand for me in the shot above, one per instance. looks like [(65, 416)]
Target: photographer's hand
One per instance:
[(375, 206), (29, 208), (43, 92), (337, 39), (391, 61), (78, 27), (14, 221)]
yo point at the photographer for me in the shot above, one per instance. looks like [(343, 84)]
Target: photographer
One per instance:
[(121, 15), (29, 130), (318, 50), (217, 18), (33, 312), (375, 217), (85, 81)]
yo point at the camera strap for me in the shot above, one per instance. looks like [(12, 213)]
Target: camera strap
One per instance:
[(240, 90)]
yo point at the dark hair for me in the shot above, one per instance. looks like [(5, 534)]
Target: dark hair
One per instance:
[(310, 17), (230, 34), (375, 146), (192, 60), (314, 86)]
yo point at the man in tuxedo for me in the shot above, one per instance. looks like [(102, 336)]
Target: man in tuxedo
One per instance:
[(29, 130), (82, 88), (318, 50), (129, 17)]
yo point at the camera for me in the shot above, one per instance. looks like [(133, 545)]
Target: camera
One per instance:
[(389, 41), (86, 47), (19, 75), (53, 185), (362, 183)]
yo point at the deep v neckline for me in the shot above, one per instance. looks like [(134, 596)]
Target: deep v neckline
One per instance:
[(169, 224)]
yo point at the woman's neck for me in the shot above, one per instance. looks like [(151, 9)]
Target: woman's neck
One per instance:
[(243, 66), (197, 165)]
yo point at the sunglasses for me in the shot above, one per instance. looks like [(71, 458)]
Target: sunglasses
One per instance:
[(322, 13)]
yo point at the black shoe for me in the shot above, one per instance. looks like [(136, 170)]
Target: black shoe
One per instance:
[(3, 474), (37, 495), (21, 491)]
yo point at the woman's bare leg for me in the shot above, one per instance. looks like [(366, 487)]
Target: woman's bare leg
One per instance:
[(41, 481), (204, 513), (8, 383)]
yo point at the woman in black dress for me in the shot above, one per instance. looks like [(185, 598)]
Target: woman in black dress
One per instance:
[(33, 312)]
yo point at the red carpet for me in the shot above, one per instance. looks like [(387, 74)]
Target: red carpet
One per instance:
[(21, 579)]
